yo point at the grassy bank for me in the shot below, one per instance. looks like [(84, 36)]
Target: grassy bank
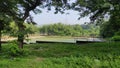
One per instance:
[(47, 55)]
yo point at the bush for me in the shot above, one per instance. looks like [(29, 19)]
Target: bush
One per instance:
[(115, 38), (15, 51), (117, 33)]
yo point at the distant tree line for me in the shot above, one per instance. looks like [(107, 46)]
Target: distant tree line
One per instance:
[(60, 29)]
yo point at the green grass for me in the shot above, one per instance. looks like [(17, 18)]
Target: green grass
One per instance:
[(59, 55)]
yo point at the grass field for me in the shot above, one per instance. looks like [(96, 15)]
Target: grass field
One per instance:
[(54, 55)]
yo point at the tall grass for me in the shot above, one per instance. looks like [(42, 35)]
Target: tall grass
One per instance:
[(49, 55)]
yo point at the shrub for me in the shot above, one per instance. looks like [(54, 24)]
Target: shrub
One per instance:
[(115, 38), (15, 51), (117, 33)]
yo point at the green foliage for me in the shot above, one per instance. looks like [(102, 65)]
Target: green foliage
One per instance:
[(78, 62), (108, 29), (15, 51), (31, 29), (115, 38), (117, 33), (60, 29), (101, 10), (54, 55)]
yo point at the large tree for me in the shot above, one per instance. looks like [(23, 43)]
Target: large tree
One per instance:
[(5, 15), (98, 10), (27, 6), (24, 6)]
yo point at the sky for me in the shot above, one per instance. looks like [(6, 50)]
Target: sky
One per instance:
[(48, 17)]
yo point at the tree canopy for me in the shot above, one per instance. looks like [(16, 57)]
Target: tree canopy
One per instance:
[(98, 10), (5, 14)]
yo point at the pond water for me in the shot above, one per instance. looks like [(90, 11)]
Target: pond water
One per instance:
[(73, 40)]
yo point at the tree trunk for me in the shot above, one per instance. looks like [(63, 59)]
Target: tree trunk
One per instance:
[(20, 34), (0, 40), (20, 43), (1, 26), (20, 37)]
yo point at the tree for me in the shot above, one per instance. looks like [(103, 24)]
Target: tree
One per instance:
[(99, 9), (24, 9), (3, 26), (5, 15)]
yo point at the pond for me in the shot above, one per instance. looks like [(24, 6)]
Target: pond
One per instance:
[(67, 40)]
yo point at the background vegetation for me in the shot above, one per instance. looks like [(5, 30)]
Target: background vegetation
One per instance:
[(60, 29)]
